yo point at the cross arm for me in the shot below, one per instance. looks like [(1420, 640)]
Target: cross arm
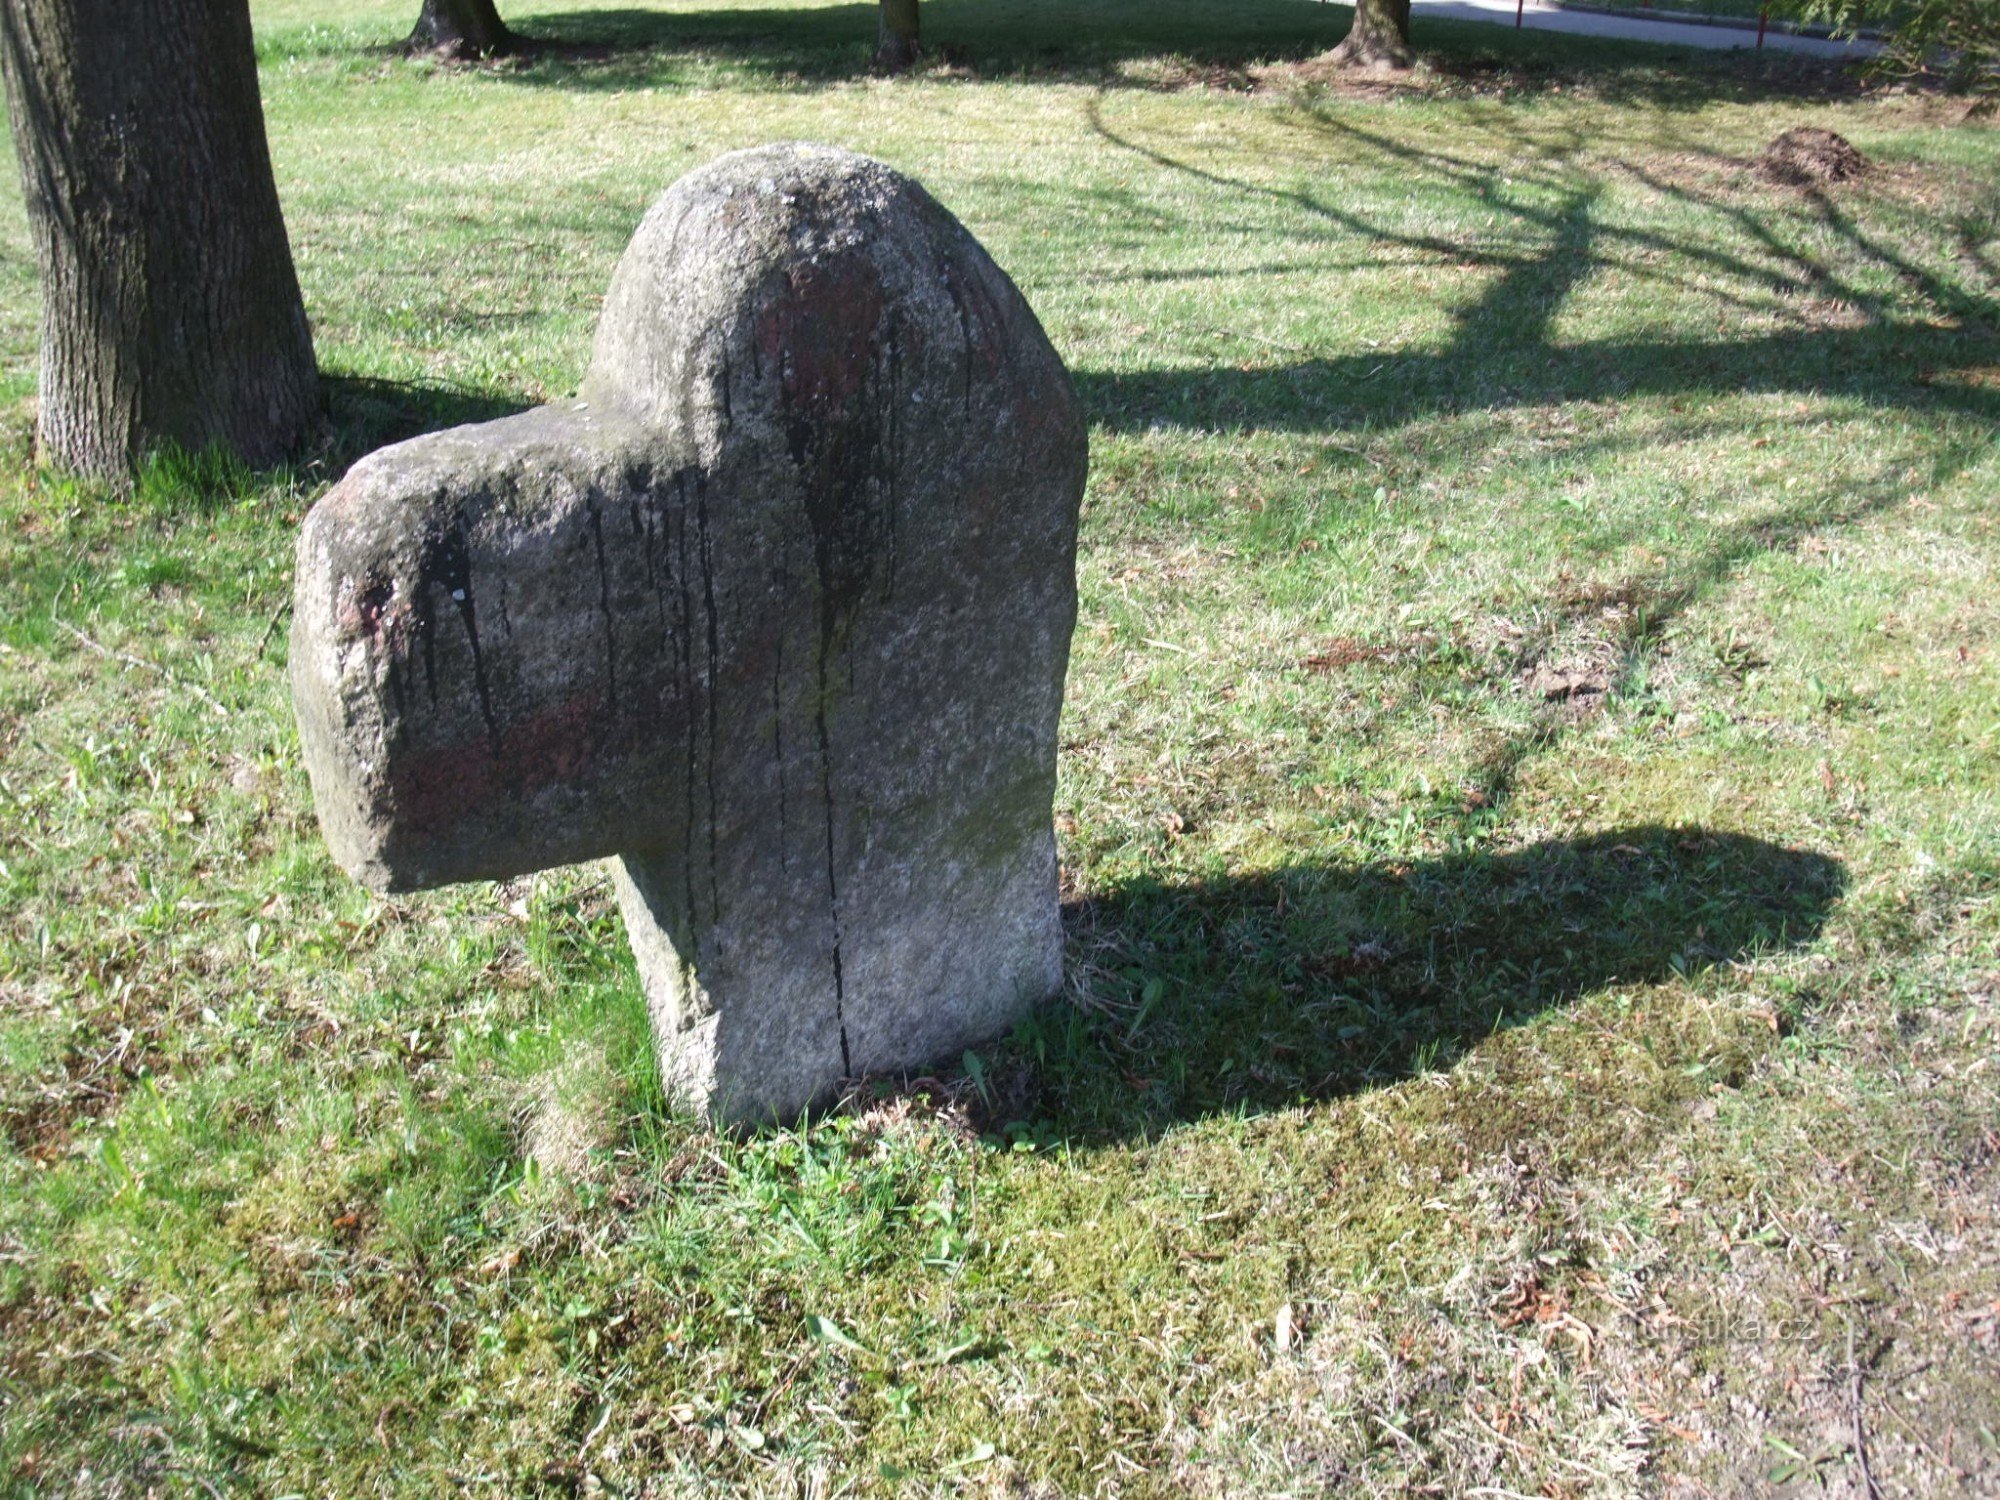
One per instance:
[(491, 658)]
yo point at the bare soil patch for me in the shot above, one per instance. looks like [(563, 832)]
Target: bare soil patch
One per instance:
[(1807, 156), (1345, 81)]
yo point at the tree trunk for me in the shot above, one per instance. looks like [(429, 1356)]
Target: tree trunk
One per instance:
[(1379, 39), (896, 43), (170, 310), (461, 30)]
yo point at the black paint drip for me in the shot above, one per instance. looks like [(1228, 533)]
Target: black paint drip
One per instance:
[(446, 563)]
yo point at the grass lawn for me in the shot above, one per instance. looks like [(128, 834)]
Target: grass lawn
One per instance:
[(1530, 811)]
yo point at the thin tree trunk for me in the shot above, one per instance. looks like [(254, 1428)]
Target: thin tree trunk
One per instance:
[(1379, 37), (461, 29), (170, 309), (896, 43)]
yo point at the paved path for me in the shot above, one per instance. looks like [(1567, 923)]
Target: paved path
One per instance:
[(1542, 16)]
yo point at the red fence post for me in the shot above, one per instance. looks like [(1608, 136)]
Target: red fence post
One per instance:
[(1763, 20)]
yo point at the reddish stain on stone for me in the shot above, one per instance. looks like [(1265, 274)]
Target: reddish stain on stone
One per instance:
[(437, 789), (819, 333), (371, 609)]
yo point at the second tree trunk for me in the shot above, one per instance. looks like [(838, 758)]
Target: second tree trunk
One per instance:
[(1379, 37), (461, 29), (896, 46), (170, 311)]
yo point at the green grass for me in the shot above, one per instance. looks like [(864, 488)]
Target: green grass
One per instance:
[(1530, 810)]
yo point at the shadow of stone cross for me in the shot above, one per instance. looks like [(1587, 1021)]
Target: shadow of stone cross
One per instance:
[(776, 613)]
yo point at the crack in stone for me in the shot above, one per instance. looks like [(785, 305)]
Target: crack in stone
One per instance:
[(684, 665), (832, 881), (604, 600), (714, 654), (778, 739)]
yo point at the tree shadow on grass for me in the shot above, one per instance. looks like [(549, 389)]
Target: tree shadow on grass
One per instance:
[(1905, 366), (1260, 993), (365, 413), (1909, 366), (624, 47), (614, 47), (1503, 350)]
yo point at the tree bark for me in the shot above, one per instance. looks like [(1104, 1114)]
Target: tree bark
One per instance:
[(461, 30), (170, 310), (1379, 38), (896, 43)]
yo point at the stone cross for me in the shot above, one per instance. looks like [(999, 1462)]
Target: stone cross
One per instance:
[(775, 614)]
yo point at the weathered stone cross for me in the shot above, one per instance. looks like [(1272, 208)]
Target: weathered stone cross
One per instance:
[(776, 613)]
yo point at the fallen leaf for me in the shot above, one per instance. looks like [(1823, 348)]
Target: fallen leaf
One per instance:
[(829, 1332)]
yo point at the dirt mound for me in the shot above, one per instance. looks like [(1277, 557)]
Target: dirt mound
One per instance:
[(1806, 156)]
